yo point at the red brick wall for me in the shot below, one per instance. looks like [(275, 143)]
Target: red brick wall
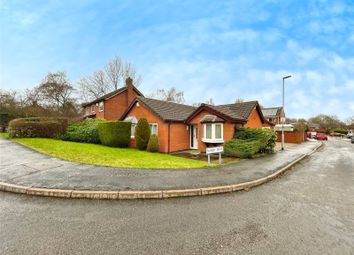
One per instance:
[(179, 137), (115, 106), (292, 137), (162, 127), (254, 120)]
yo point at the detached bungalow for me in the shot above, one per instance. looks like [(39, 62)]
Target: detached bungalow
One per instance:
[(112, 105), (182, 127)]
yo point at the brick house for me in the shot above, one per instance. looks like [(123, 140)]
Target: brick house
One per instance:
[(273, 114), (112, 105), (183, 127)]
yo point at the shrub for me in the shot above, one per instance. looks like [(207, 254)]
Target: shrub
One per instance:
[(241, 148), (83, 132), (342, 131), (250, 141), (115, 134), (153, 145), (37, 127), (142, 134)]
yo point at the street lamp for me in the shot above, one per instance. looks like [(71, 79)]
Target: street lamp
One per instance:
[(283, 118)]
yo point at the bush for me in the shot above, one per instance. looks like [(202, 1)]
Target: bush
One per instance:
[(340, 131), (153, 145), (37, 127), (242, 148), (84, 132), (250, 141), (142, 134), (115, 134)]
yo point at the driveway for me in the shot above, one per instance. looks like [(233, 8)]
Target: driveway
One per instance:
[(308, 211)]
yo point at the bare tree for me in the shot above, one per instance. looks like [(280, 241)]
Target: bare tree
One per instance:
[(239, 100), (56, 91), (171, 95), (109, 79), (114, 71)]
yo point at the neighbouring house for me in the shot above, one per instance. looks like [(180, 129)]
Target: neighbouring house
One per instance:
[(183, 127), (273, 114), (112, 105)]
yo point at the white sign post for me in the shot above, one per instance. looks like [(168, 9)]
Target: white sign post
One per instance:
[(214, 150)]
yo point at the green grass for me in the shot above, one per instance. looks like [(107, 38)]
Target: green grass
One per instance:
[(107, 156), (4, 135)]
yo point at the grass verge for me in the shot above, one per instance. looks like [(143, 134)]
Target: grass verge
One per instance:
[(107, 156)]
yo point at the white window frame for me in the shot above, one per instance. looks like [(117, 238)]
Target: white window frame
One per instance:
[(101, 104), (213, 139), (157, 128), (93, 108)]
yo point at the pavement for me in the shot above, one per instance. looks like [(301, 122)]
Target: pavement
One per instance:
[(25, 167), (307, 211)]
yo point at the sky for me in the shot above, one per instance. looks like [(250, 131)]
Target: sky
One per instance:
[(222, 50)]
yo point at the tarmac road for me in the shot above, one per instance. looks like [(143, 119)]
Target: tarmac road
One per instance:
[(310, 210)]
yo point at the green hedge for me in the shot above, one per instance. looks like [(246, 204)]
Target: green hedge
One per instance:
[(115, 134), (83, 132), (37, 127), (242, 148), (153, 145), (250, 141), (142, 134)]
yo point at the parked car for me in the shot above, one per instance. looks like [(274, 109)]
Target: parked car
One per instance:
[(352, 139), (321, 137), (350, 134)]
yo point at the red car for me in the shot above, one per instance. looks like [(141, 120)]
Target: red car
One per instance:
[(321, 137)]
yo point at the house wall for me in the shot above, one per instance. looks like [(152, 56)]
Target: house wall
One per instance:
[(228, 130), (179, 137), (115, 106), (254, 120), (162, 128)]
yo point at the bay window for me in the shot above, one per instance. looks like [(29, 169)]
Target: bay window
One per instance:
[(213, 133)]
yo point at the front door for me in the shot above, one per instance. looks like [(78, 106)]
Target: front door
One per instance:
[(194, 136)]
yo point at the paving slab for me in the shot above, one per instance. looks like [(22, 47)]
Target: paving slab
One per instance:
[(22, 166)]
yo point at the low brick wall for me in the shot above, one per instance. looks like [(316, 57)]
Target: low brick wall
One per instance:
[(292, 137)]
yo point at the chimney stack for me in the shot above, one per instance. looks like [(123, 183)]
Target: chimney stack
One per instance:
[(130, 91)]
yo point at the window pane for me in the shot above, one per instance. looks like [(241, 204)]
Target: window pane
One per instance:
[(217, 131), (208, 131), (132, 130), (153, 128)]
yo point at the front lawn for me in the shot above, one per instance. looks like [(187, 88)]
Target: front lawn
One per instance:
[(107, 156), (4, 135)]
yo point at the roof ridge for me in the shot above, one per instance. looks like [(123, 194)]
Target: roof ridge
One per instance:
[(164, 101)]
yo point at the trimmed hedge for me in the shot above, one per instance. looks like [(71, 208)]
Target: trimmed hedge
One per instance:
[(250, 141), (142, 134), (115, 134), (83, 132), (242, 148), (153, 145), (37, 127)]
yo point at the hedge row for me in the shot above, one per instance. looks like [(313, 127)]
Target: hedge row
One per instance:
[(115, 134), (250, 141), (37, 127), (83, 132)]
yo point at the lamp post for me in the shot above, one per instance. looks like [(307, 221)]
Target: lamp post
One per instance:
[(283, 118)]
